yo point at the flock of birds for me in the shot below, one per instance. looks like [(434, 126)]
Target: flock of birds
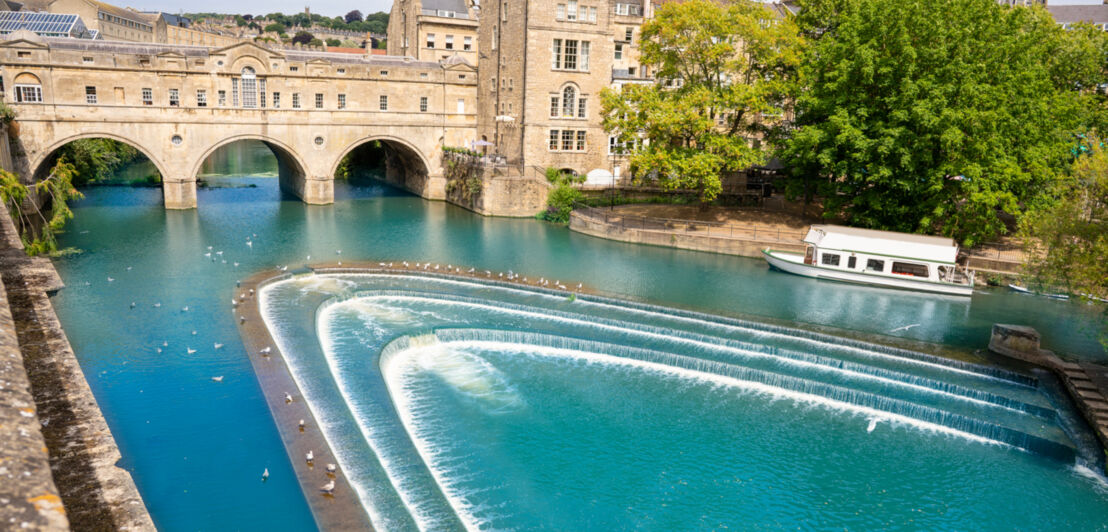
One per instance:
[(217, 255)]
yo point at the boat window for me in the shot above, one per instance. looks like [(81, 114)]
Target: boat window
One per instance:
[(809, 255), (852, 262), (907, 268), (875, 265), (829, 259)]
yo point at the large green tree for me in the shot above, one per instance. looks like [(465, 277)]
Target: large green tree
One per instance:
[(1068, 241), (937, 115), (722, 68)]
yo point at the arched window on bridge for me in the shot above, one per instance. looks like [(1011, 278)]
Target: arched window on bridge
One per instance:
[(28, 89), (249, 85)]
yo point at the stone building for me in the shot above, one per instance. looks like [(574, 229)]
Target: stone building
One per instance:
[(112, 23), (432, 30), (175, 29), (178, 104), (542, 67)]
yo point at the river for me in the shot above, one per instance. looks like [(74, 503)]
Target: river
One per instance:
[(197, 448)]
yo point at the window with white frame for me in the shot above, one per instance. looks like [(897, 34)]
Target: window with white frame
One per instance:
[(249, 84), (567, 140), (147, 96), (618, 52), (571, 10), (296, 100), (90, 95), (342, 101), (319, 100), (461, 106), (467, 43), (570, 54), (430, 40), (568, 103), (234, 92), (423, 104), (383, 102), (174, 98), (449, 42), (201, 98), (222, 98), (26, 93), (276, 100)]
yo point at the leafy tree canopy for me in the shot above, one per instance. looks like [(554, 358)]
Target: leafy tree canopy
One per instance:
[(1068, 241), (723, 67), (303, 37), (353, 16), (937, 115)]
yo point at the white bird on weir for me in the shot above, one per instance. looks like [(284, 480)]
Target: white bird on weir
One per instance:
[(265, 475), (266, 351), (309, 457), (288, 398), (301, 425), (331, 468), (328, 488)]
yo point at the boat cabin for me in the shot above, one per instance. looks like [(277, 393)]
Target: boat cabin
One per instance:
[(885, 253)]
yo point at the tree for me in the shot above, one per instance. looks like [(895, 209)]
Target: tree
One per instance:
[(303, 37), (1068, 241), (38, 225), (353, 16), (315, 42), (276, 27), (333, 42), (722, 67), (933, 116)]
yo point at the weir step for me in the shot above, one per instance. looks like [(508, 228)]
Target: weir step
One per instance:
[(1076, 374), (1085, 385), (1071, 365)]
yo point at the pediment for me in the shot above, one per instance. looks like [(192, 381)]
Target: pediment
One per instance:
[(247, 47)]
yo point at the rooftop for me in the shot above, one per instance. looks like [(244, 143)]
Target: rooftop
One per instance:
[(921, 247), (1097, 14)]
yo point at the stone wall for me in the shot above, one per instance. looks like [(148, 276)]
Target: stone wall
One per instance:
[(583, 222), (57, 456)]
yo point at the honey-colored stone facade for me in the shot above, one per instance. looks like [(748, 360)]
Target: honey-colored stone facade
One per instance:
[(527, 64), (417, 31), (178, 104)]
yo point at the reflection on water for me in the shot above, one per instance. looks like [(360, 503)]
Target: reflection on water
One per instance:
[(244, 157), (197, 448)]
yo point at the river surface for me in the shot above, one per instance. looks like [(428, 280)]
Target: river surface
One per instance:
[(605, 433)]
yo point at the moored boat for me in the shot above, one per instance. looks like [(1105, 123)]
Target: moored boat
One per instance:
[(879, 258)]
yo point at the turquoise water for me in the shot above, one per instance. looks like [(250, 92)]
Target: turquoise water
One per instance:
[(197, 448)]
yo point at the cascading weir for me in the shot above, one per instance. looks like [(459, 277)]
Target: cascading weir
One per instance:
[(461, 403)]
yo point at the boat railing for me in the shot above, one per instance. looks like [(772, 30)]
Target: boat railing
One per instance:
[(701, 228)]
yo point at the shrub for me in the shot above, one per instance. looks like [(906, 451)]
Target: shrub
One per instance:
[(560, 202)]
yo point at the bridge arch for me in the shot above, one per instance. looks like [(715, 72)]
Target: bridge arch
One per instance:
[(37, 165), (405, 164), (291, 170)]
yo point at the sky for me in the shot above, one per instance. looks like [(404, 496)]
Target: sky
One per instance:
[(330, 8)]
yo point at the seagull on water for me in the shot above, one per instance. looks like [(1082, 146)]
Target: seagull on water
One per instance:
[(249, 244), (288, 398), (165, 343), (219, 346), (132, 304), (190, 350), (328, 488), (194, 333), (128, 268), (309, 257), (236, 265), (208, 254), (872, 424), (905, 328), (265, 475), (157, 305), (309, 457), (220, 253), (110, 279), (185, 308), (218, 379), (338, 252), (331, 468)]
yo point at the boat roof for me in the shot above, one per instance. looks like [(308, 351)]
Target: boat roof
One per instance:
[(870, 241)]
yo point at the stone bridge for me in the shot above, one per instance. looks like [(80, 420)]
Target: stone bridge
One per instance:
[(178, 104)]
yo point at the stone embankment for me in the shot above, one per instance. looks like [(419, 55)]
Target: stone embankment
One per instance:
[(1087, 383), (58, 460), (745, 240)]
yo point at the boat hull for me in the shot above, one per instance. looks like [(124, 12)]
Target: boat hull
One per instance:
[(775, 259)]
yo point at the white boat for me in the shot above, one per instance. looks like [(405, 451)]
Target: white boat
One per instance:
[(879, 258)]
